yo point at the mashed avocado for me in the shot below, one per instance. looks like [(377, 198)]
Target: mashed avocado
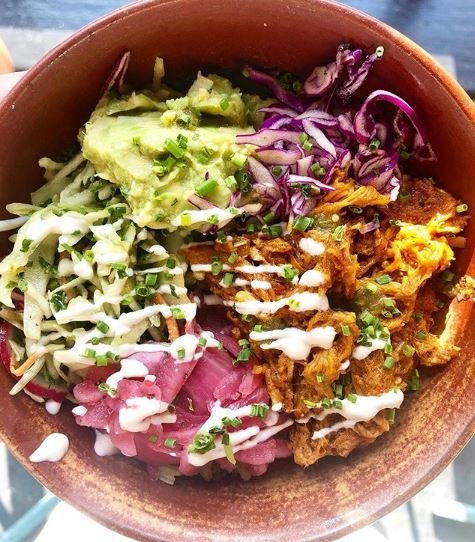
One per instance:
[(160, 152)]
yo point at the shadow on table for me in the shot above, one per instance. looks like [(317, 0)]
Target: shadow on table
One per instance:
[(22, 493), (448, 530)]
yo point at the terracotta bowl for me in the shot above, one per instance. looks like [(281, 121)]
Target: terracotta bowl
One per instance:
[(41, 117)]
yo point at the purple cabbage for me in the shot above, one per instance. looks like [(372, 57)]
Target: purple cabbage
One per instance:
[(117, 76), (307, 137), (284, 96)]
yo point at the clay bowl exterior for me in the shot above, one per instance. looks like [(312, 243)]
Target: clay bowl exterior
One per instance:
[(41, 117)]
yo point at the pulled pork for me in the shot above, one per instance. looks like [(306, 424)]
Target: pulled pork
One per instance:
[(387, 272)]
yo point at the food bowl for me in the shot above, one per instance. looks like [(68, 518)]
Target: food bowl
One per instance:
[(41, 117)]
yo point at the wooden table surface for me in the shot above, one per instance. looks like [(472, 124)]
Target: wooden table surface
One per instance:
[(440, 26)]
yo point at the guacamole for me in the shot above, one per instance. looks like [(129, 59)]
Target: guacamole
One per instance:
[(159, 152)]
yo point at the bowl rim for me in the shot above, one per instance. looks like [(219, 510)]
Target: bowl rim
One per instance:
[(463, 101)]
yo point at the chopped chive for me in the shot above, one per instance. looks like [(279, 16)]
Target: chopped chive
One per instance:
[(236, 422), (177, 313), (320, 378), (310, 404), (417, 316), (246, 317), (259, 411), (239, 159), (120, 269), (277, 171), (414, 383), (244, 355), (307, 146), (462, 208), (174, 148), (289, 273), (202, 443), (102, 326), (374, 144), (269, 217), (151, 279), (213, 219), (26, 244), (203, 156), (243, 342), (224, 103), (90, 353), (421, 334), (228, 279), (258, 328), (326, 402), (345, 329), (170, 442), (206, 187), (102, 361), (171, 263), (388, 302), (383, 279), (404, 196), (317, 169), (183, 120), (181, 353), (113, 356), (216, 267), (351, 397), (294, 303), (339, 390), (339, 232), (388, 362), (228, 449), (302, 223), (153, 439), (391, 415), (231, 183), (143, 291), (127, 301), (167, 276), (408, 350), (220, 237), (202, 341), (338, 404), (233, 257), (275, 230), (372, 288)]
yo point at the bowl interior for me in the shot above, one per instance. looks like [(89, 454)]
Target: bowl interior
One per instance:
[(42, 116)]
